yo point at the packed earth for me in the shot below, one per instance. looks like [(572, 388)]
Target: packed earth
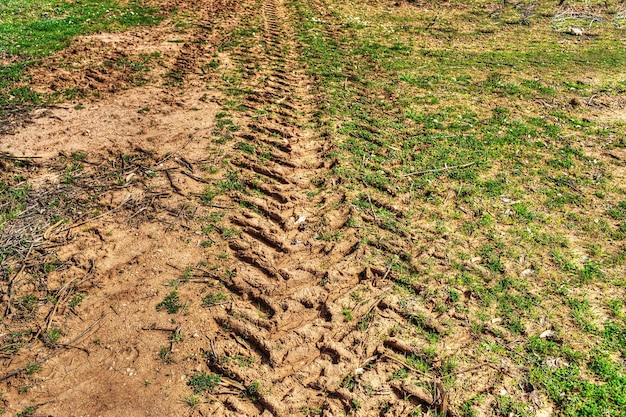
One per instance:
[(321, 208)]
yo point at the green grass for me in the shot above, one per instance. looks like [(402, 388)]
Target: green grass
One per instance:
[(40, 27), (213, 299), (203, 382), (471, 130), (13, 194), (30, 30), (171, 303)]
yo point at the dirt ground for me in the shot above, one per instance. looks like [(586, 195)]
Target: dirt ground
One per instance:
[(277, 335)]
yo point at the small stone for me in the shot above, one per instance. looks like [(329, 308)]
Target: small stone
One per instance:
[(576, 31), (547, 333)]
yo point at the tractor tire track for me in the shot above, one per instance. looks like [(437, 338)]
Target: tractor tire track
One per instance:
[(297, 263)]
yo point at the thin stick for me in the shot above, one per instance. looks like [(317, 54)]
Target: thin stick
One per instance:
[(446, 168), (194, 177), (388, 270), (137, 213), (197, 280), (372, 207), (174, 186), (432, 23), (12, 281), (60, 296), (18, 158), (162, 329)]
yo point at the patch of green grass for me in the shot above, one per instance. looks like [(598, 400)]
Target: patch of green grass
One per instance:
[(347, 313), (12, 198), (243, 361), (52, 336), (253, 390), (27, 303), (246, 147), (577, 396), (348, 383), (30, 30), (165, 354), (37, 28), (76, 300), (230, 233), (28, 411), (213, 299), (508, 406), (467, 146), (33, 368), (614, 336), (192, 401), (203, 382), (171, 303), (400, 374), (231, 182)]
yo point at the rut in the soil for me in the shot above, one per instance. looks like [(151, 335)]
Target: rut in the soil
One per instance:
[(292, 277)]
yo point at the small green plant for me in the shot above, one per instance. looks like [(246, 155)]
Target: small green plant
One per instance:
[(309, 411), (27, 412), (365, 321), (215, 217), (246, 147), (165, 354), (203, 382), (400, 374), (348, 383), (76, 300), (187, 273), (177, 337), (330, 236), (230, 233), (507, 406), (347, 313), (243, 361), (79, 156), (192, 401), (171, 303), (27, 303), (207, 196), (33, 368), (52, 336), (356, 405), (253, 390), (214, 298)]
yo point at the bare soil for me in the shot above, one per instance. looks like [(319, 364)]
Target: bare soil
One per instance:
[(280, 339)]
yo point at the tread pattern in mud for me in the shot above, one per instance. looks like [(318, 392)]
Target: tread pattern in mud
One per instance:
[(297, 268)]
